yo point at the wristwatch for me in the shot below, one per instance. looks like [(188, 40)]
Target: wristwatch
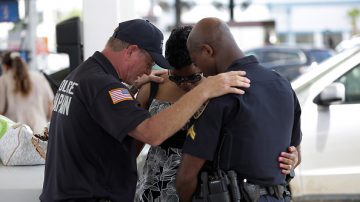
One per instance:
[(290, 176), (133, 89)]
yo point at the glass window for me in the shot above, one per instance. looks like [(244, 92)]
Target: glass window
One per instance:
[(351, 81), (331, 39), (304, 38), (319, 55), (281, 57), (282, 38)]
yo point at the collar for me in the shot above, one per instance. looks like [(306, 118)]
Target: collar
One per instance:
[(105, 64), (243, 62)]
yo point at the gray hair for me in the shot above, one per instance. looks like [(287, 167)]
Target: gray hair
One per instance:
[(116, 45)]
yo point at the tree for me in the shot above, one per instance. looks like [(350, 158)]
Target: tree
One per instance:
[(354, 13)]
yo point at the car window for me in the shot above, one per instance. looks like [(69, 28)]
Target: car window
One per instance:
[(351, 81), (319, 55), (281, 57)]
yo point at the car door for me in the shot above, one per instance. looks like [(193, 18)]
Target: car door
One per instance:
[(331, 136)]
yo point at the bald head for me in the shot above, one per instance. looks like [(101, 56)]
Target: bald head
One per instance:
[(211, 31), (212, 40)]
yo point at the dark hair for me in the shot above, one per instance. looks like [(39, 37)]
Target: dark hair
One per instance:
[(176, 52), (21, 73)]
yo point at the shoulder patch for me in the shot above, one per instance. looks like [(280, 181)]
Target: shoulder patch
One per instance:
[(119, 94), (200, 110)]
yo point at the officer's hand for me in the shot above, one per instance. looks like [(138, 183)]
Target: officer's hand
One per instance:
[(288, 161), (224, 83), (154, 76)]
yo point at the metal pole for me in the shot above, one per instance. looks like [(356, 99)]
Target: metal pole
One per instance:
[(231, 8), (177, 13), (31, 25)]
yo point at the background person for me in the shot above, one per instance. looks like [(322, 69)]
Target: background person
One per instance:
[(157, 181), (256, 126), (25, 96), (91, 152)]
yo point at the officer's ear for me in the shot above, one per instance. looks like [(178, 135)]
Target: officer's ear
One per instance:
[(131, 49), (207, 50)]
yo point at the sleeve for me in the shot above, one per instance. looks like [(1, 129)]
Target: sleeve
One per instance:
[(203, 136), (296, 132), (116, 111), (2, 95)]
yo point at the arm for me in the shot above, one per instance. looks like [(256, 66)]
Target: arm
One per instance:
[(48, 96), (156, 129), (2, 96), (142, 98), (143, 95), (186, 178), (288, 161), (49, 112)]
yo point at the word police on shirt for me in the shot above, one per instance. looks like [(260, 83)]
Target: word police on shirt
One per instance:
[(63, 97)]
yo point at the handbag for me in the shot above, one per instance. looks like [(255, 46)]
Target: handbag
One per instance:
[(17, 146)]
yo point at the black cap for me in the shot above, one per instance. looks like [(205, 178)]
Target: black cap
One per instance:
[(146, 36)]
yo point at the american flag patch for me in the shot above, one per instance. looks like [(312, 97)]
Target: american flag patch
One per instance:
[(120, 94)]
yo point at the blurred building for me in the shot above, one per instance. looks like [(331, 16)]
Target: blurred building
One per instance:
[(319, 23), (316, 23)]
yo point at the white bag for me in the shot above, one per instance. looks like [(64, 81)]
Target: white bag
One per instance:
[(17, 146)]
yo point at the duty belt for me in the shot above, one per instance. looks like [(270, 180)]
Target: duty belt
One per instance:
[(253, 191), (104, 200)]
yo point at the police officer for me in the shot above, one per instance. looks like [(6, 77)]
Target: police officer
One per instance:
[(91, 152), (256, 127)]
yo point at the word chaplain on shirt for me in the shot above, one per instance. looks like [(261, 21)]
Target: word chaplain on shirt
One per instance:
[(63, 97)]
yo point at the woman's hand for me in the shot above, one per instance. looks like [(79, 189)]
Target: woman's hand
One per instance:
[(288, 161), (153, 76)]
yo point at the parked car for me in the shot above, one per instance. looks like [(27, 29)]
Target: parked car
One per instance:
[(330, 99), (290, 62), (348, 43)]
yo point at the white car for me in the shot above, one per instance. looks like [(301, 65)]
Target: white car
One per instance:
[(330, 99)]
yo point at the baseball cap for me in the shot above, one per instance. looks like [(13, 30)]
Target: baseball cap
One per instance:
[(145, 35)]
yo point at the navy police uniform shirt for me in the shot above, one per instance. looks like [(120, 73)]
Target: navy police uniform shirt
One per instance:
[(256, 126), (90, 154)]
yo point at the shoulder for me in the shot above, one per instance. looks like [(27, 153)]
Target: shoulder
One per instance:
[(5, 76), (225, 100), (223, 106), (91, 75), (37, 76)]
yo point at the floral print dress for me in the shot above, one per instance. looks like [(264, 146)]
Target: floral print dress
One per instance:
[(157, 182)]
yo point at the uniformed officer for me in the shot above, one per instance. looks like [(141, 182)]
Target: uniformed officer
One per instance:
[(255, 128), (91, 152)]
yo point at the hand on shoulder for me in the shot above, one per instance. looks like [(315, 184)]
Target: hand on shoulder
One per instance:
[(224, 83)]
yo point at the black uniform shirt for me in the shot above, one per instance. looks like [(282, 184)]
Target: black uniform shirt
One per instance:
[(90, 154), (257, 126)]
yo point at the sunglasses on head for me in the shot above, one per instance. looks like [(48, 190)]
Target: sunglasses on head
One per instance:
[(186, 79)]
